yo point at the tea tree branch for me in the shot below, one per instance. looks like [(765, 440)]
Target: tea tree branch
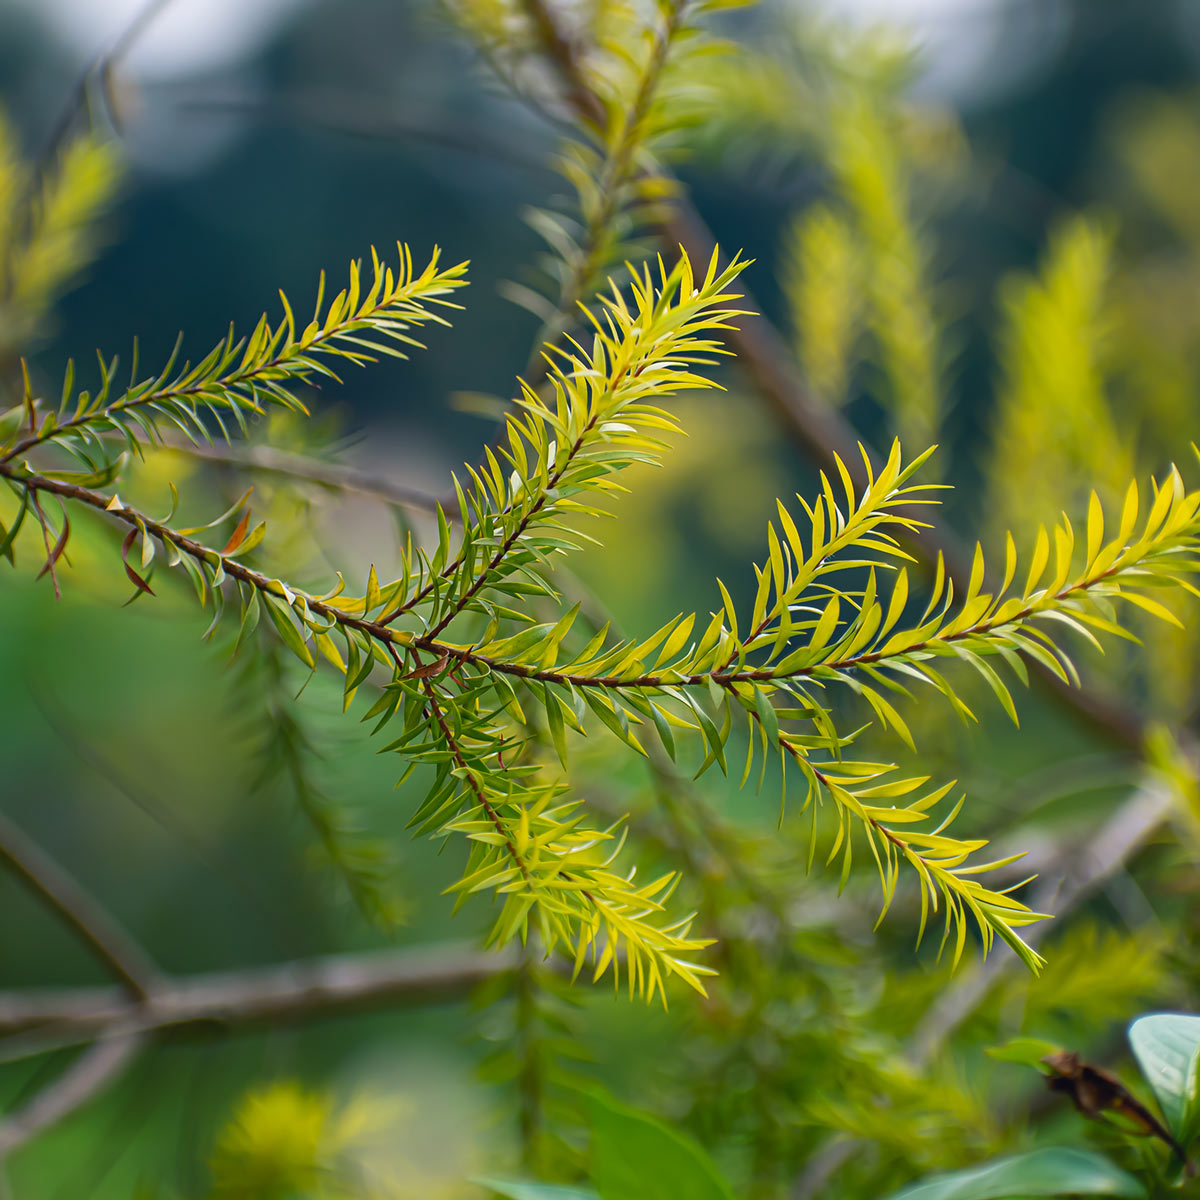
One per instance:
[(986, 624)]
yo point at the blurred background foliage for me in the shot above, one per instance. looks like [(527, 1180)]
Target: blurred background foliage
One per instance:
[(980, 230)]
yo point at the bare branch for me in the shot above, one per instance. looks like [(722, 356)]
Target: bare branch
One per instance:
[(286, 934), (46, 879), (101, 68), (564, 55), (300, 990), (336, 476), (94, 1070)]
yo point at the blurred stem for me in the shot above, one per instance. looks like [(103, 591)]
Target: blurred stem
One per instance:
[(334, 476), (92, 1072), (619, 167), (531, 1083), (302, 990), (61, 892)]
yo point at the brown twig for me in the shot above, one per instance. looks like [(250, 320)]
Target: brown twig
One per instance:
[(472, 779)]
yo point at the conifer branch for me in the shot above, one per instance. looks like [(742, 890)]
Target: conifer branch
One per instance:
[(505, 548), (537, 854), (1074, 874), (454, 702), (598, 420), (1116, 570), (634, 94), (473, 782)]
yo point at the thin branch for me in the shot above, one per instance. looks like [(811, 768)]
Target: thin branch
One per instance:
[(301, 990), (619, 167), (564, 54), (332, 111), (198, 551), (287, 934), (96, 1069), (335, 476), (46, 879), (473, 780), (291, 357), (100, 67), (498, 557), (351, 481)]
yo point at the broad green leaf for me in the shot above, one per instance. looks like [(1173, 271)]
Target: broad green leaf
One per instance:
[(1049, 1172), (1166, 1046), (636, 1157)]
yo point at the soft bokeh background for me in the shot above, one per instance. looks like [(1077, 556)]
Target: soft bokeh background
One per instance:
[(265, 140)]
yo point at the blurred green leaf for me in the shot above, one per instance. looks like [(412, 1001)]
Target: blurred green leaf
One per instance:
[(1027, 1050), (635, 1157), (1050, 1172)]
